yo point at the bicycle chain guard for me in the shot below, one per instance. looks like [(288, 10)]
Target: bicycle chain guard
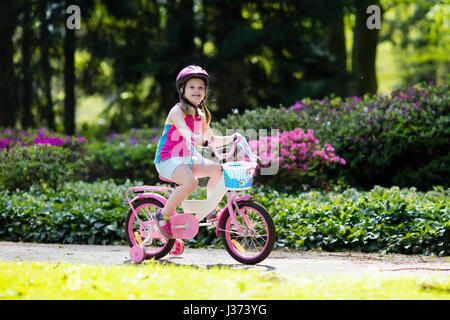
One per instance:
[(184, 226)]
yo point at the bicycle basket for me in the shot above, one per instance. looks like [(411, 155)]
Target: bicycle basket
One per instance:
[(239, 175)]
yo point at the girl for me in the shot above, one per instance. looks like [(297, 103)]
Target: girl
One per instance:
[(187, 123)]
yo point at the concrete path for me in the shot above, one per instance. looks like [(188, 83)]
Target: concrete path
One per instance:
[(282, 262)]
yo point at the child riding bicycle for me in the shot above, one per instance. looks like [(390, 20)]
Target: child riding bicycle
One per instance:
[(176, 159)]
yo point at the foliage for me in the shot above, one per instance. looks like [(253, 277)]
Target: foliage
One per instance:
[(77, 213), (401, 139), (419, 33), (55, 281), (300, 157), (382, 220), (121, 161), (22, 167), (135, 136), (11, 138), (36, 156)]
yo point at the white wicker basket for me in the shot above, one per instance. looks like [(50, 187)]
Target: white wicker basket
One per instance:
[(239, 175)]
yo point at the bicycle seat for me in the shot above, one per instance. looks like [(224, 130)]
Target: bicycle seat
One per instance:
[(166, 180)]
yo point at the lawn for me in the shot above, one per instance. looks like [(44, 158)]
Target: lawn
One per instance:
[(49, 281)]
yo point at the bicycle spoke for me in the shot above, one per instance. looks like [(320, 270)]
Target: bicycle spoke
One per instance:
[(253, 237), (142, 215)]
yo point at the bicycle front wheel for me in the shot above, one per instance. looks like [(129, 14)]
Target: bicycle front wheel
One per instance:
[(136, 229), (256, 240)]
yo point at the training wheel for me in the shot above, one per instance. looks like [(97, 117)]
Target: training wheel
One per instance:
[(137, 254), (178, 248)]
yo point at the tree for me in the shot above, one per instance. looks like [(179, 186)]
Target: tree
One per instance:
[(419, 33), (69, 78), (27, 80), (9, 100), (365, 43), (45, 68)]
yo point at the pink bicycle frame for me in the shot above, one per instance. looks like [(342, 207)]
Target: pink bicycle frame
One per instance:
[(231, 199)]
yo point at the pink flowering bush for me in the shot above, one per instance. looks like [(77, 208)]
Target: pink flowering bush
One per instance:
[(398, 139), (302, 159)]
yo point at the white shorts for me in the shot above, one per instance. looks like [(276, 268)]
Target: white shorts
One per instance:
[(167, 167)]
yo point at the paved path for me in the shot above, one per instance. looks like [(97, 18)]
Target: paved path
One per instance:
[(279, 261)]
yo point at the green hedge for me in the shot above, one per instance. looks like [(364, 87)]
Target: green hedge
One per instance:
[(22, 167), (78, 213), (381, 220), (121, 161)]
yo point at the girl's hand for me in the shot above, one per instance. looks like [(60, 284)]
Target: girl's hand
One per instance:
[(237, 136)]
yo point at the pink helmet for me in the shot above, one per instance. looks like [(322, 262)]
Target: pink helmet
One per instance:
[(190, 72)]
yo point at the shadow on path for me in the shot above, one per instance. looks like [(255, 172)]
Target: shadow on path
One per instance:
[(232, 266)]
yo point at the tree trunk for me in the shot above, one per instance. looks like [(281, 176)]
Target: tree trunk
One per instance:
[(8, 82), (364, 51), (69, 81), (230, 71), (179, 35), (336, 45), (48, 113), (27, 82)]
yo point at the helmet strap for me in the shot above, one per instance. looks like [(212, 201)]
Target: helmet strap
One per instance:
[(197, 109)]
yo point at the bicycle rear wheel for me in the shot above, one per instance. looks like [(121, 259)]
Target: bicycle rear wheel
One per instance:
[(255, 242), (135, 232)]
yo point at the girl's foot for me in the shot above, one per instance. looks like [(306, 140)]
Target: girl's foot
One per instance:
[(163, 224)]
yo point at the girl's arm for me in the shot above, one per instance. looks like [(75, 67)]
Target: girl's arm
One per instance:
[(176, 116)]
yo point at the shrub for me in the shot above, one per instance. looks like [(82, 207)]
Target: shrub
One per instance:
[(121, 161), (400, 139), (77, 213), (127, 156), (302, 160), (11, 138), (39, 157), (135, 136), (381, 220), (22, 167)]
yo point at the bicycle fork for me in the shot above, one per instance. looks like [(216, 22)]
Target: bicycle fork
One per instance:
[(231, 204)]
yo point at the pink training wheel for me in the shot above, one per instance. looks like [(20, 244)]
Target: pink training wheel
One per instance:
[(137, 254), (178, 248)]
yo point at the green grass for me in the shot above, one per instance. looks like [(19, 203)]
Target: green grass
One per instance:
[(36, 280)]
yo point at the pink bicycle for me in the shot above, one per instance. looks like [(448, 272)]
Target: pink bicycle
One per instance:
[(246, 227)]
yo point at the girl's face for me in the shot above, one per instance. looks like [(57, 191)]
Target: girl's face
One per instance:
[(195, 90)]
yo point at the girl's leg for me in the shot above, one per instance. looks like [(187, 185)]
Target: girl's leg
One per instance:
[(209, 169), (187, 182)]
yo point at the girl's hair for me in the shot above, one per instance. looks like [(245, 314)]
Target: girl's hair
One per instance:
[(206, 116)]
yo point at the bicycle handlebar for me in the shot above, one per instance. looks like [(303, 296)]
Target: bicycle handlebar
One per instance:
[(243, 144)]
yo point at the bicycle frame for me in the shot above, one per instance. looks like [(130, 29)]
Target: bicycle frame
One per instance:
[(201, 208)]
